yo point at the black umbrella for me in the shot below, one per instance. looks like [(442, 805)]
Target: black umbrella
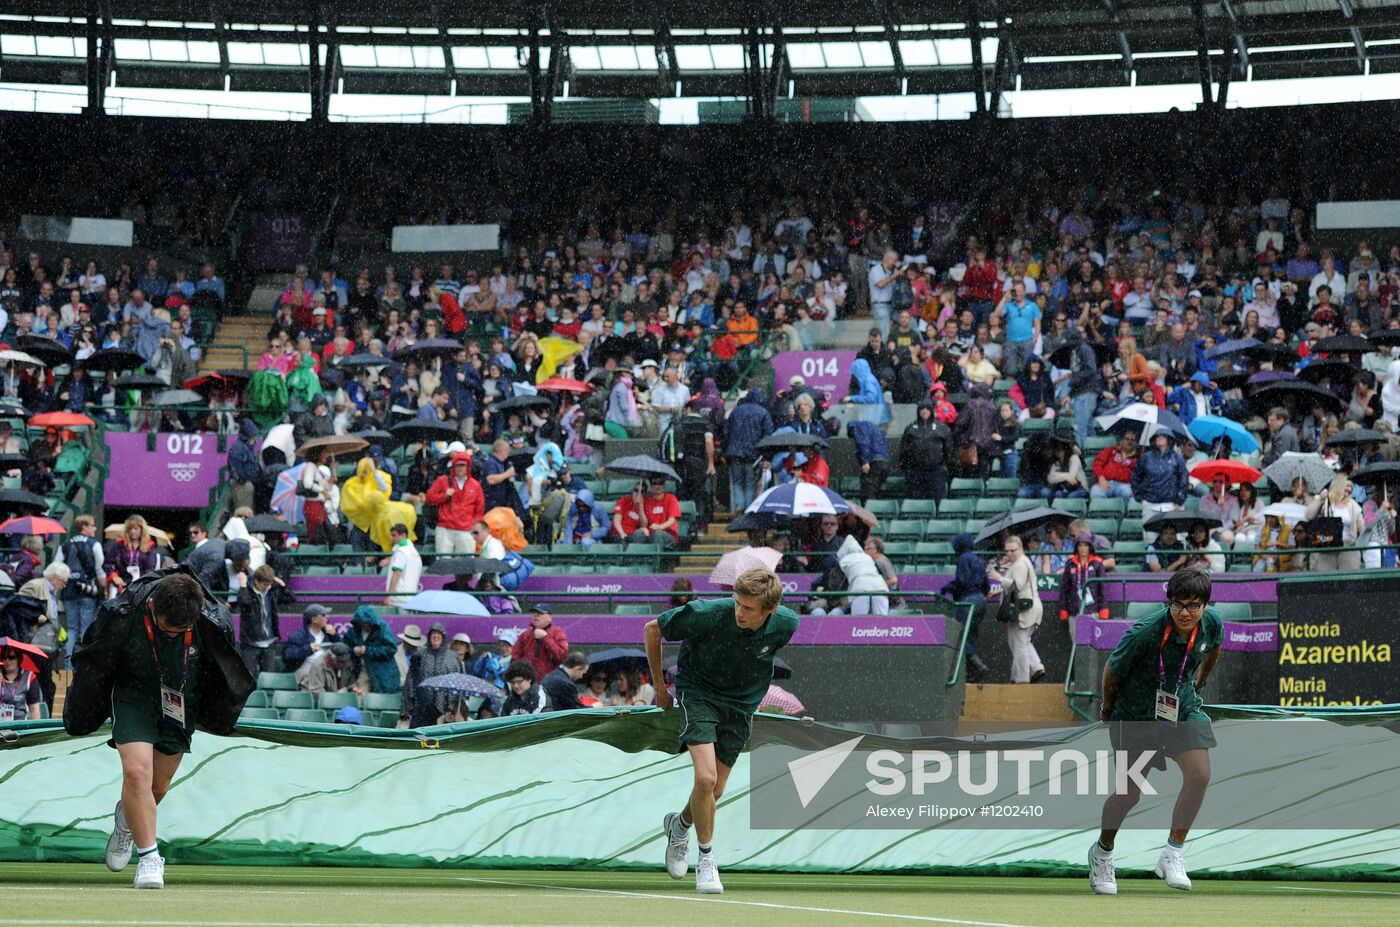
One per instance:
[(1343, 344), (1387, 471), (114, 360), (1339, 371), (13, 461), (237, 376), (752, 521), (270, 524), (641, 466), (432, 347), (789, 439), (13, 497), (1232, 380), (415, 431), (1183, 521), (177, 397), (331, 379), (10, 408), (1234, 346), (527, 454), (1021, 521), (360, 360), (1275, 353), (382, 438), (618, 659), (1388, 338), (1298, 392), (1063, 356), (1353, 437), (140, 381), (47, 350), (522, 402), (464, 566)]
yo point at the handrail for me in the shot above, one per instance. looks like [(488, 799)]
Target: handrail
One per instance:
[(961, 655), (238, 345), (1070, 694)]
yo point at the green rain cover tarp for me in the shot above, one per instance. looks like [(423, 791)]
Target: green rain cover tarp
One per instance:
[(583, 789)]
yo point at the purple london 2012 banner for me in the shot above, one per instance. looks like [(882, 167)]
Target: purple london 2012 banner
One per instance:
[(1251, 637), (827, 371), (177, 474), (917, 630), (636, 585)]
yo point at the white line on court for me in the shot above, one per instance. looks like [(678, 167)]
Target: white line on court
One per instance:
[(145, 922), (920, 918), (1338, 891)]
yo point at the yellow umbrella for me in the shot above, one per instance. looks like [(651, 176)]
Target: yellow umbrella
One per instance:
[(553, 352), (114, 532)]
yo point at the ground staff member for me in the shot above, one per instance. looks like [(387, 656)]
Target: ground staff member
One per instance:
[(1150, 699), (722, 673), (159, 659)]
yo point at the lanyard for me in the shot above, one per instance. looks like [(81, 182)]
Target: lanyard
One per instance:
[(184, 654), (1181, 671)]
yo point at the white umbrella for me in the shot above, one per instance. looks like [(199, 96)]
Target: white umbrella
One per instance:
[(19, 357), (1290, 512), (736, 562)]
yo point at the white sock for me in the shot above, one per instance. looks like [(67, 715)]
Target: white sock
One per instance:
[(146, 851)]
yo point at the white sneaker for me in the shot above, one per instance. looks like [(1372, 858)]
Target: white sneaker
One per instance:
[(1171, 866), (1101, 877), (119, 844), (677, 847), (150, 872), (707, 876)]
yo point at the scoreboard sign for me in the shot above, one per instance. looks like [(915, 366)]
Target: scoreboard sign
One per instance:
[(1337, 641)]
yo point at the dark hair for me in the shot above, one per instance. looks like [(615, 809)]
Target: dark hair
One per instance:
[(1189, 584), (399, 528), (575, 659), (520, 669), (178, 599)]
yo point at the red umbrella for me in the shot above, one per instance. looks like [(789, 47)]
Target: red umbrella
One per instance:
[(61, 420), (1232, 470), (31, 525), (564, 385), (28, 653)]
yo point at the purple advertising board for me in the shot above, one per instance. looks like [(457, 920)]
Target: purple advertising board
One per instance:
[(909, 630), (177, 474), (827, 371), (277, 241), (650, 585), (1260, 637)]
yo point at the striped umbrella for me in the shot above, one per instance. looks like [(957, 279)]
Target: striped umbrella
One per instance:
[(799, 500), (31, 525), (285, 500)]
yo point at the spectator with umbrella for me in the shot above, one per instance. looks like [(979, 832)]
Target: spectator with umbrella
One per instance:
[(131, 555), (423, 707), (526, 696), (20, 693), (562, 684), (1165, 552), (491, 666), (1327, 509)]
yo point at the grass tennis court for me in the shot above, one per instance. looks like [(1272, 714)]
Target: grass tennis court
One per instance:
[(56, 894)]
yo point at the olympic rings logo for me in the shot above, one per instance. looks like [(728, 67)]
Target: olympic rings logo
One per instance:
[(184, 474)]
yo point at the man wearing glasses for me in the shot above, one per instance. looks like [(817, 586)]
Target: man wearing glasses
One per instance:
[(1151, 700)]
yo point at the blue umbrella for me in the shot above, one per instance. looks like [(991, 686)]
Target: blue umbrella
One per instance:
[(1237, 346), (1207, 428), (462, 684), (618, 659), (445, 602), (799, 500)]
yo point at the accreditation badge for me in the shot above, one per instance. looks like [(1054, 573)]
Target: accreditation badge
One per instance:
[(7, 712), (172, 705), (1167, 705)]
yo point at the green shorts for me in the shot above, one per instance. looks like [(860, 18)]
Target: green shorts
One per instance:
[(705, 722), (1192, 732), (133, 724)]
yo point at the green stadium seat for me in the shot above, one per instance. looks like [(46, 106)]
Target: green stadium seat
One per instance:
[(583, 469), (342, 549), (608, 551), (1106, 507), (1037, 424), (900, 549), (1234, 611), (313, 549), (1018, 504), (334, 701), (991, 508), (943, 528), (383, 701), (1003, 386), (258, 698), (285, 700), (277, 681), (965, 488), (322, 570), (895, 487), (1108, 527), (935, 550), (956, 508), (905, 529), (688, 509), (883, 508), (596, 487), (555, 570), (616, 570), (1193, 503), (975, 525), (1132, 509), (304, 715), (1076, 507), (918, 508), (259, 714), (1132, 549), (632, 609), (1093, 444), (849, 486), (620, 487), (1003, 488), (382, 719)]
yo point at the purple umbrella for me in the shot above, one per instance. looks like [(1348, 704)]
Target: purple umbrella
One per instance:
[(1265, 377)]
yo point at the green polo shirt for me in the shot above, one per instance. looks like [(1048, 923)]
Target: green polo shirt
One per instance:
[(1134, 662), (721, 662), (137, 680)]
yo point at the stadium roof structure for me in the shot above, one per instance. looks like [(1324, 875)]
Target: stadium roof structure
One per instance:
[(754, 49)]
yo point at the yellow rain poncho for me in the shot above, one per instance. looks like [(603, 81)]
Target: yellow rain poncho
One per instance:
[(553, 352), (364, 499)]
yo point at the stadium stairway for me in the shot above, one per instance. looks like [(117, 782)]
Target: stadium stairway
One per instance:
[(250, 331), (995, 708), (706, 549)]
